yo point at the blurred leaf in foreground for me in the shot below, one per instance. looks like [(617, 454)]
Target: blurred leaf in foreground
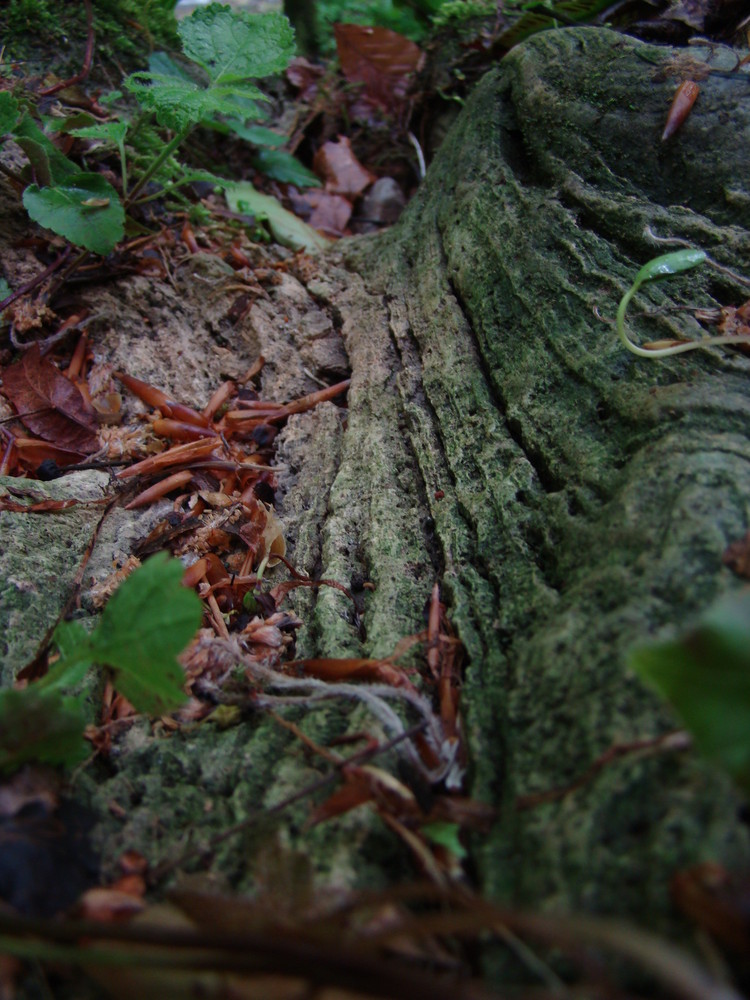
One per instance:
[(706, 677)]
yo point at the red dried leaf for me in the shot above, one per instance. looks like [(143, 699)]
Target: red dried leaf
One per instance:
[(354, 793), (34, 384), (33, 451), (339, 168), (380, 671), (381, 59), (43, 507)]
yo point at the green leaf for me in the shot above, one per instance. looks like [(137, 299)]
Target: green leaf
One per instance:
[(258, 135), (38, 725), (161, 63), (86, 211), (447, 835), (284, 167), (706, 677), (286, 228), (58, 168), (77, 120), (148, 621), (179, 103), (8, 112), (111, 132), (235, 45), (5, 289), (74, 645), (669, 263)]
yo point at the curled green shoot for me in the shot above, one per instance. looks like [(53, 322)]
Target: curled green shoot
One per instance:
[(660, 267)]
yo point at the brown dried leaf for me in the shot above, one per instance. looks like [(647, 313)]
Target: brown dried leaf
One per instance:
[(305, 76), (735, 321), (331, 213), (737, 556), (340, 170), (381, 59), (34, 384)]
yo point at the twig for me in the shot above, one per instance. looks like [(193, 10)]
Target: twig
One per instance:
[(31, 285), (678, 740)]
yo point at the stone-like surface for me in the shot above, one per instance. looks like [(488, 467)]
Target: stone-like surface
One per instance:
[(41, 558)]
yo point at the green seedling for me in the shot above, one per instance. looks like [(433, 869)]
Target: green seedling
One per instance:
[(224, 51), (660, 267), (150, 619)]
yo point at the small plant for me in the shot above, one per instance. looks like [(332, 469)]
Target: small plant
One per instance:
[(660, 267), (148, 621), (226, 51)]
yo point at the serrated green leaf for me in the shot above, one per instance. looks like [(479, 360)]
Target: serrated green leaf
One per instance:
[(286, 228), (282, 166), (706, 677), (236, 45), (149, 620), (68, 209), (113, 132), (8, 111), (38, 725), (58, 167), (179, 103)]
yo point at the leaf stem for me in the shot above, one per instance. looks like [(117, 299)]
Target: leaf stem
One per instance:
[(156, 163)]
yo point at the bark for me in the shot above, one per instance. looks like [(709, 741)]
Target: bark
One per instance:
[(571, 499)]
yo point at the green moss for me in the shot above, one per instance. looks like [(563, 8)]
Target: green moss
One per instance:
[(23, 14), (52, 36)]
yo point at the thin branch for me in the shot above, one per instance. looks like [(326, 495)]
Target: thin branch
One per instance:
[(167, 867), (35, 282)]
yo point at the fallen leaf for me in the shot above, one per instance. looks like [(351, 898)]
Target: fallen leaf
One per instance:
[(305, 76), (328, 213), (379, 58), (42, 507), (34, 384), (340, 170)]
